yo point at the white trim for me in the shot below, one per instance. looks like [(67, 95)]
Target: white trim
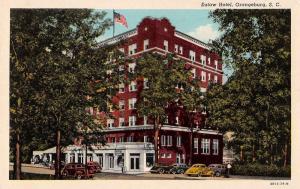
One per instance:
[(191, 40), (120, 37)]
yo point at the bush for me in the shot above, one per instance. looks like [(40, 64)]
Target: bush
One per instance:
[(257, 169)]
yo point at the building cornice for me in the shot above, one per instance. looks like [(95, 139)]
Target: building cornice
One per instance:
[(191, 39), (119, 37), (164, 127)]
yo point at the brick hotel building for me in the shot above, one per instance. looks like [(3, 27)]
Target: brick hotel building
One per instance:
[(130, 138)]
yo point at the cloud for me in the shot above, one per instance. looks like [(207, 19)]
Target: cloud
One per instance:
[(205, 33)]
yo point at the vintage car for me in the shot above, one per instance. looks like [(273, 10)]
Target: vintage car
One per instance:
[(52, 165), (199, 170), (77, 170), (94, 165), (179, 168), (219, 169), (161, 169)]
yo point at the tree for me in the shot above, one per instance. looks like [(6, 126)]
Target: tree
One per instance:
[(255, 102), (57, 71), (163, 75)]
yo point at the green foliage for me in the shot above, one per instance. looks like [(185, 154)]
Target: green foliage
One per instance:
[(255, 101), (57, 71), (256, 169)]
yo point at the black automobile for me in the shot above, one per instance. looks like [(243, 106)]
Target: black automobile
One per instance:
[(161, 169), (179, 168)]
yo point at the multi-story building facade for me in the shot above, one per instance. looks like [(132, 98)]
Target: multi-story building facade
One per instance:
[(159, 36), (129, 137)]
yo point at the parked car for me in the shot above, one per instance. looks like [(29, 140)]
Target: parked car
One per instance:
[(77, 170), (94, 165), (161, 169), (52, 165), (219, 169), (199, 170), (179, 168)]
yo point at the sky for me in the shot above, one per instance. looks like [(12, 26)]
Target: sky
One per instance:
[(195, 23)]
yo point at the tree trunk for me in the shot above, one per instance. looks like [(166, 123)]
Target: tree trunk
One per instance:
[(156, 139), (253, 153), (58, 152), (85, 167), (241, 153), (17, 163), (285, 154), (191, 145)]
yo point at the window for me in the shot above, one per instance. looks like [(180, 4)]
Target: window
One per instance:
[(132, 86), (215, 146), (209, 78), (178, 141), (205, 143), (169, 140), (80, 158), (195, 145), (146, 29), (131, 67), (146, 139), (122, 105), (176, 48), (163, 140), (113, 139), (130, 139), (122, 50), (121, 139), (121, 122), (109, 107), (109, 72), (203, 76), (167, 120), (216, 64), (149, 159), (192, 55), (110, 123), (132, 49), (145, 120), (121, 68), (216, 79), (193, 72), (146, 44), (208, 60), (146, 85), (132, 103), (177, 120), (132, 120), (169, 155), (203, 59), (163, 155), (180, 50), (166, 45), (165, 29), (121, 88)]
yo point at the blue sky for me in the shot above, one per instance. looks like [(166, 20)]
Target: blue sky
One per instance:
[(192, 22)]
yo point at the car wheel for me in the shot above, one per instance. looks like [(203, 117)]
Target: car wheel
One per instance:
[(218, 174), (199, 174), (181, 171), (161, 171), (65, 173), (173, 172)]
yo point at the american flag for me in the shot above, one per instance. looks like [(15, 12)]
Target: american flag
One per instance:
[(120, 19)]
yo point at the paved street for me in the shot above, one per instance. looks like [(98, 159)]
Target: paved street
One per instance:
[(28, 168)]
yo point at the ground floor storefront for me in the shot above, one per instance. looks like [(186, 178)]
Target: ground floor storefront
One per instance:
[(131, 157)]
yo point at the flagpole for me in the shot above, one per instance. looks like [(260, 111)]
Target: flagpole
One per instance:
[(113, 22)]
